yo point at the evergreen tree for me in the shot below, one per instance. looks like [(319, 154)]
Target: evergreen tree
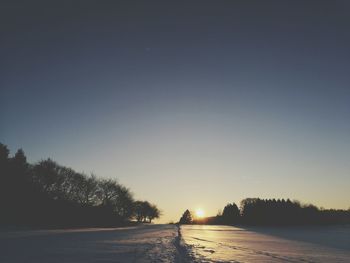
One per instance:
[(230, 215), (186, 218)]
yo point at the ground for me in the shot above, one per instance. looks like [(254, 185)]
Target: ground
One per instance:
[(168, 243), (267, 244), (153, 243)]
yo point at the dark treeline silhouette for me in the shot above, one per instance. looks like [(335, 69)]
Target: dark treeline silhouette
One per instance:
[(256, 211), (48, 194)]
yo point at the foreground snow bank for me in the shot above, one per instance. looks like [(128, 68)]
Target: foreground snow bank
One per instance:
[(152, 243)]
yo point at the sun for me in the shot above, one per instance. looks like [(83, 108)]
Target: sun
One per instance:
[(199, 213)]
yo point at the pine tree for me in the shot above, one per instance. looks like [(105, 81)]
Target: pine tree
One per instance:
[(186, 218)]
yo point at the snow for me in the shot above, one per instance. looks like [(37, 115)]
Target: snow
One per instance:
[(153, 243), (279, 244), (168, 243)]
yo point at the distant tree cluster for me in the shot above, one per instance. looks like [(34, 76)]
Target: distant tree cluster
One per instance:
[(47, 193), (256, 211)]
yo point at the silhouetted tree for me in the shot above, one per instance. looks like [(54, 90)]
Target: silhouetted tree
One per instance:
[(86, 189), (123, 203), (108, 189), (13, 185), (4, 153), (230, 214), (257, 211), (139, 211), (45, 175), (186, 218), (19, 175), (144, 211), (153, 213), (50, 194)]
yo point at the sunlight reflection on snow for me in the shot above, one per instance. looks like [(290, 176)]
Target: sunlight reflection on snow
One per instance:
[(293, 244)]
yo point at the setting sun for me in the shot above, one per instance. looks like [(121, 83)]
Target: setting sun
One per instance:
[(199, 213)]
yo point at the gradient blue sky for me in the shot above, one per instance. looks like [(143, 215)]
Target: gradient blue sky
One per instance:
[(190, 104)]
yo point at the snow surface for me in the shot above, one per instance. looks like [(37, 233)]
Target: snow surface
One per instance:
[(168, 243), (152, 243), (278, 244)]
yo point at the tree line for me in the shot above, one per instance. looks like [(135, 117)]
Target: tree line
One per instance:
[(49, 194), (256, 211)]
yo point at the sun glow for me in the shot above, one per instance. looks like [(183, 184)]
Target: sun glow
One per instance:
[(199, 213)]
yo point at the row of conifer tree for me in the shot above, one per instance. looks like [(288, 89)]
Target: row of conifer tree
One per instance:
[(256, 211)]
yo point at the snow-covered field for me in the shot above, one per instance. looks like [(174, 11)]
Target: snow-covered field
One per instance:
[(284, 244), (164, 243), (153, 243)]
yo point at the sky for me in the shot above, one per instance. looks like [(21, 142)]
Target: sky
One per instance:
[(190, 104)]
